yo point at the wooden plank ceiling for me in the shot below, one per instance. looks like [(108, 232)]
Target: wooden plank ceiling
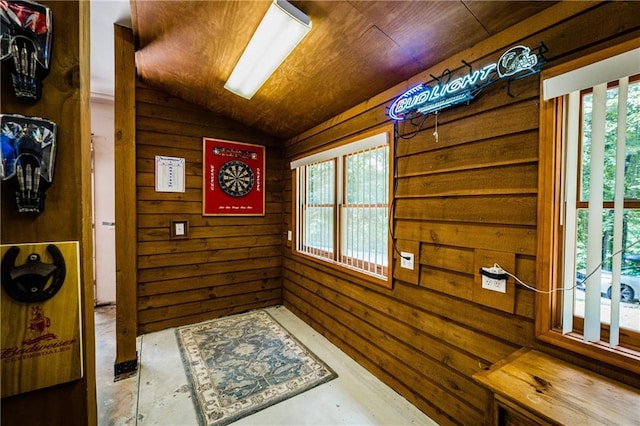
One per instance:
[(355, 50)]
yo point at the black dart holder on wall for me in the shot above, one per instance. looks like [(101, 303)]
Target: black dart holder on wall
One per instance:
[(25, 45), (29, 146)]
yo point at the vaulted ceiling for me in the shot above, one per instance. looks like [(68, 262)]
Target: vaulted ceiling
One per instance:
[(355, 50)]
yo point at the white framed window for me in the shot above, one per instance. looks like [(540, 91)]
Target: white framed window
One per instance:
[(589, 210), (602, 211), (342, 205)]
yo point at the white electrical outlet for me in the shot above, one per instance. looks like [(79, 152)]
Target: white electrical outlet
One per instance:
[(289, 235), (406, 261), (492, 283)]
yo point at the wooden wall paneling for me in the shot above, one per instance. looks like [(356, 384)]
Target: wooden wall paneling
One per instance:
[(322, 322), (479, 125), (388, 368), (150, 248), (149, 151), (160, 220), (216, 291), (603, 26), (494, 103), (232, 309), (125, 194), (211, 303), (474, 189), (155, 234), (165, 114), (221, 266), (507, 328), (67, 213), (228, 264), (234, 253), (454, 389), (365, 121), (447, 282), (181, 205), (485, 182), (517, 239), (209, 281), (439, 329), (148, 179), (509, 150), (498, 210), (450, 258)]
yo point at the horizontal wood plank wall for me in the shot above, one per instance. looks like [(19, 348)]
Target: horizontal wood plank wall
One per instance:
[(474, 188), (227, 264)]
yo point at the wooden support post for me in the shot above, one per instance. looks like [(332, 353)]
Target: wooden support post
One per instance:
[(125, 193)]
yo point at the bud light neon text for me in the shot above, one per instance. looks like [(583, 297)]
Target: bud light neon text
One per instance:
[(425, 99)]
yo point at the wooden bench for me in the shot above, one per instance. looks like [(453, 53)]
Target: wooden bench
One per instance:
[(530, 387)]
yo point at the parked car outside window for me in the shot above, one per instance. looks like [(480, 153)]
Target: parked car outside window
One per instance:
[(629, 288)]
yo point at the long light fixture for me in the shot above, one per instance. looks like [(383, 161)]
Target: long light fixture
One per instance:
[(281, 29)]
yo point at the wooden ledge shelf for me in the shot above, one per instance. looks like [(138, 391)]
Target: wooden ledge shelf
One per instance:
[(530, 387)]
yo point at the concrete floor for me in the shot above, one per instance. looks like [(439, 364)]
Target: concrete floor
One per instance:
[(159, 393)]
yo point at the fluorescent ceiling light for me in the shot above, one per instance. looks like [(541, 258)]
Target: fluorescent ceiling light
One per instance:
[(281, 29)]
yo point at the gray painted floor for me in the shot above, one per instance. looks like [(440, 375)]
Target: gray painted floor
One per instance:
[(159, 394)]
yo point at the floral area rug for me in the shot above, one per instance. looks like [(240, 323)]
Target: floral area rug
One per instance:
[(244, 363)]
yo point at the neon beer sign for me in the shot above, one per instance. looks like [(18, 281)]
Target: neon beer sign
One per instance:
[(517, 62)]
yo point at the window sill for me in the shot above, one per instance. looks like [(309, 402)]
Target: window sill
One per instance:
[(620, 357), (383, 282)]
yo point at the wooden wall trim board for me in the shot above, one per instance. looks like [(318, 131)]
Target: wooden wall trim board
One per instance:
[(475, 190), (548, 238), (126, 207), (67, 213), (86, 212)]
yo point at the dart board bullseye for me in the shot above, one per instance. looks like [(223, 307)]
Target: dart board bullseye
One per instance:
[(235, 178)]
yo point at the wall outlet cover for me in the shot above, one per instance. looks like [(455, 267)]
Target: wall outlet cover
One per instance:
[(495, 282), (406, 261), (494, 285)]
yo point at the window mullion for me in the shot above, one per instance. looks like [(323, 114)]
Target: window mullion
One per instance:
[(363, 209), (331, 231), (374, 209), (337, 206), (301, 186)]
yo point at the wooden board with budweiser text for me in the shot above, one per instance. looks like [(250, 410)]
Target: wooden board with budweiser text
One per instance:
[(41, 341)]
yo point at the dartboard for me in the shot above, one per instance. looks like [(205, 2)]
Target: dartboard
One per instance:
[(235, 178)]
